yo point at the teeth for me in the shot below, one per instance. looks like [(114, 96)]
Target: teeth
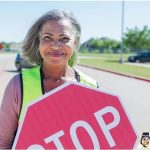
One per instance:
[(55, 53)]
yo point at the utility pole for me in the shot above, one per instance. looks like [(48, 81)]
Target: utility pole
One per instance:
[(122, 31)]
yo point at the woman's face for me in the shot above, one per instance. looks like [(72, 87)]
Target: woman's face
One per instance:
[(57, 42)]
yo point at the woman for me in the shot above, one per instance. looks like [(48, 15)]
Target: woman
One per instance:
[(52, 44)]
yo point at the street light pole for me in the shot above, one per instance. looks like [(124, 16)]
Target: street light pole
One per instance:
[(122, 30)]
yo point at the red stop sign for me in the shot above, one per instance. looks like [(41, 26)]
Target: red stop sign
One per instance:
[(75, 116)]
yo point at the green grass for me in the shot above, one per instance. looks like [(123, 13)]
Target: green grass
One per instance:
[(111, 62)]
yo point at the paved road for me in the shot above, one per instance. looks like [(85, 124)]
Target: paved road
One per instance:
[(134, 93), (7, 71)]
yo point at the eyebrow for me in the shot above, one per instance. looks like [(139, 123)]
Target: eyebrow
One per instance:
[(53, 35)]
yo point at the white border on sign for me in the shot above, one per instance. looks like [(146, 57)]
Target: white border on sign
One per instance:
[(61, 87)]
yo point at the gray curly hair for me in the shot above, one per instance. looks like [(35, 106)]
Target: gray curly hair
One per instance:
[(31, 42)]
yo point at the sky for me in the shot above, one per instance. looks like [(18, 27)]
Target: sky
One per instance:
[(97, 18)]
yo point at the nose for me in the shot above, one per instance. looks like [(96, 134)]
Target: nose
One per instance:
[(55, 45)]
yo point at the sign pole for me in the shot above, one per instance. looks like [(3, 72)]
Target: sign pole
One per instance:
[(122, 28)]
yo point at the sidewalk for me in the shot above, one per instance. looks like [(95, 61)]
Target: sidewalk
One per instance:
[(139, 64)]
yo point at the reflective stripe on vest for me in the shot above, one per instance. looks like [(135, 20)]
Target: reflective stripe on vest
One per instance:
[(32, 86), (85, 79)]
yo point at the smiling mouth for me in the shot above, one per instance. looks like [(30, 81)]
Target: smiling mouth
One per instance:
[(56, 54)]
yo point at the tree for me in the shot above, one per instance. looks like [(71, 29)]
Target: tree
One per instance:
[(100, 45), (137, 40)]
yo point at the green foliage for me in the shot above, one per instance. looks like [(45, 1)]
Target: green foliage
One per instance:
[(137, 40), (134, 40), (6, 44), (101, 45)]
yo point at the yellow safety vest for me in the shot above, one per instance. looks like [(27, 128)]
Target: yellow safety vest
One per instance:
[(32, 85)]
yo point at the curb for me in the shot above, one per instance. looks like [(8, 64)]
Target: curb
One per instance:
[(121, 74)]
